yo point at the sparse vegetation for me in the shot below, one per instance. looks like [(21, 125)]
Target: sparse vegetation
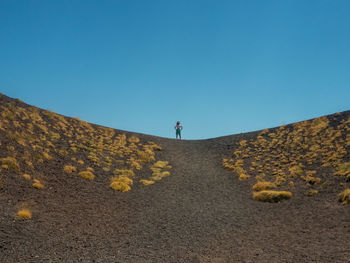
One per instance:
[(10, 163), (292, 153)]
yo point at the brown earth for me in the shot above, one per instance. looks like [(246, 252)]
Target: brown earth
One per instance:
[(200, 213)]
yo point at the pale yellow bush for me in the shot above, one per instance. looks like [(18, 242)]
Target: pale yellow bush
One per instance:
[(271, 196), (125, 172), (26, 176), (133, 139), (70, 169), (121, 183), (87, 175), (11, 163), (312, 192), (90, 169), (263, 186), (160, 164), (24, 214), (343, 169), (344, 196), (147, 182), (106, 169), (37, 184), (243, 177)]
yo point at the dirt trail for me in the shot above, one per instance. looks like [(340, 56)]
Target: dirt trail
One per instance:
[(195, 204)]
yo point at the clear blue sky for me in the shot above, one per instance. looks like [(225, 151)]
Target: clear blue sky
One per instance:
[(220, 67)]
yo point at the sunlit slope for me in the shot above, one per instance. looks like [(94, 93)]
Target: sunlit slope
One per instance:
[(309, 157), (35, 142)]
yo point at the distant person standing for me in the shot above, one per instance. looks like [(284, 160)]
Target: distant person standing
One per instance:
[(178, 129)]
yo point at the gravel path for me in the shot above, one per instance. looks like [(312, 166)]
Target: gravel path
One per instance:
[(200, 213)]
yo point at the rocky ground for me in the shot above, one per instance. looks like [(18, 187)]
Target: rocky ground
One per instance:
[(199, 213)]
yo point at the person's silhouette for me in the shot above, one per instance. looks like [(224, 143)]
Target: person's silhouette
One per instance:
[(178, 129)]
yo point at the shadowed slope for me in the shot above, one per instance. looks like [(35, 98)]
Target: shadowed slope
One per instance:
[(199, 213)]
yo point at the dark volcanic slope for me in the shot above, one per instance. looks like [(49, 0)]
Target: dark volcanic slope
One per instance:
[(200, 213)]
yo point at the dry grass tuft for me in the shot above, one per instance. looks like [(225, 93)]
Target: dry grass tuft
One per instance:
[(343, 169), (263, 186), (243, 177), (24, 214), (344, 196), (312, 192), (160, 164), (121, 183), (37, 184), (87, 175), (133, 139), (70, 169), (26, 176), (147, 182), (271, 196), (11, 163)]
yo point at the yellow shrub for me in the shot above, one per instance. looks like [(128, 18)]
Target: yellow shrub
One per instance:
[(166, 173), (106, 169), (263, 186), (81, 162), (26, 176), (243, 176), (312, 192), (37, 184), (87, 175), (296, 171), (271, 196), (70, 169), (125, 172), (147, 182), (156, 177), (29, 163), (133, 139), (160, 164), (344, 196), (11, 163), (343, 169), (121, 183), (312, 180), (47, 156), (90, 169), (24, 214), (146, 156), (243, 143)]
